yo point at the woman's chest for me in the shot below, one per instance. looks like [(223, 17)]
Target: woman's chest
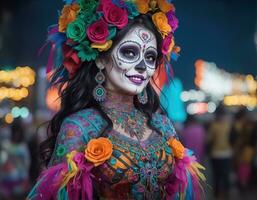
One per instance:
[(140, 166)]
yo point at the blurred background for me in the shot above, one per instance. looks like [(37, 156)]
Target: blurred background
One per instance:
[(212, 100)]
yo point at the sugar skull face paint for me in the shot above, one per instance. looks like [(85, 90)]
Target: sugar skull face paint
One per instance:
[(132, 61)]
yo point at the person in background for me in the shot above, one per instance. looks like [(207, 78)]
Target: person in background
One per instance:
[(14, 176), (220, 153), (193, 137), (254, 160), (241, 137)]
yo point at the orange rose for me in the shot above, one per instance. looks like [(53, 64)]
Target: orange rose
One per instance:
[(98, 150), (142, 6), (69, 13), (161, 22), (177, 148), (165, 6)]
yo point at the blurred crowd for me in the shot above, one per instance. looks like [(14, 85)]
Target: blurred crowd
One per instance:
[(227, 146), (225, 143), (19, 159)]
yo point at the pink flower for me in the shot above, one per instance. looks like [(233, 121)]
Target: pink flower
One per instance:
[(98, 32), (172, 20), (114, 15), (167, 44)]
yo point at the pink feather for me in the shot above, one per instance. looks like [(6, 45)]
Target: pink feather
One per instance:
[(177, 182), (49, 182)]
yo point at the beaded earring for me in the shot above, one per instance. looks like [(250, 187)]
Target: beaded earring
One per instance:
[(99, 92), (142, 97)]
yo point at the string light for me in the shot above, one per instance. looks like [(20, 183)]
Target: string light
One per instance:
[(8, 118), (14, 94), (219, 83), (238, 100), (19, 77)]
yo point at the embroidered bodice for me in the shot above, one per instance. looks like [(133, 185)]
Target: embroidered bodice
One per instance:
[(122, 163), (136, 170)]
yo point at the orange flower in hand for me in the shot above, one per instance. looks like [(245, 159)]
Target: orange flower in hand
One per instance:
[(177, 148), (98, 150), (69, 13), (142, 6)]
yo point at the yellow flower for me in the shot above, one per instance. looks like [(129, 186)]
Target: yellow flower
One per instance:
[(153, 4), (102, 47), (142, 6), (177, 148), (165, 6), (69, 13), (161, 22), (98, 150)]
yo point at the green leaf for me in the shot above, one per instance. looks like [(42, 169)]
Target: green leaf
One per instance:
[(112, 32)]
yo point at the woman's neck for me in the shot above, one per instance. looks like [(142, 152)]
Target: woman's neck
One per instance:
[(118, 101)]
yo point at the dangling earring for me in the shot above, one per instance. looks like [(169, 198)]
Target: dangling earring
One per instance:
[(142, 97), (99, 92)]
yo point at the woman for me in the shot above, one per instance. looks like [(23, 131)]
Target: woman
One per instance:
[(108, 140)]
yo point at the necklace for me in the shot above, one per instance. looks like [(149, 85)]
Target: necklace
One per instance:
[(132, 122), (120, 108)]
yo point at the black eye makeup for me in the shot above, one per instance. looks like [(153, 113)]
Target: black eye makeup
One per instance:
[(150, 57), (129, 52)]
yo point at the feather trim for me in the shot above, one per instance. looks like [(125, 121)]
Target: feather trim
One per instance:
[(65, 181), (186, 178)]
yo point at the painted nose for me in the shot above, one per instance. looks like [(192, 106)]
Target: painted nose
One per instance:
[(141, 67)]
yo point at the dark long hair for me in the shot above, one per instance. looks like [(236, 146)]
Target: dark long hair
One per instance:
[(78, 90)]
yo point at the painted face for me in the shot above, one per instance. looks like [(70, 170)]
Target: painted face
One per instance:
[(132, 62)]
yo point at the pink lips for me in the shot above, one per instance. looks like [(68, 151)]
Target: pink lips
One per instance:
[(136, 79)]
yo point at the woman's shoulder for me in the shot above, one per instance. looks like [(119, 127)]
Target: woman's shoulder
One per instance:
[(84, 114), (164, 124), (88, 120)]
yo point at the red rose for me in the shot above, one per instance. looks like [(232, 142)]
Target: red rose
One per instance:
[(114, 15), (71, 60), (98, 32)]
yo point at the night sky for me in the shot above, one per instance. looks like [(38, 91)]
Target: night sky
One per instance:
[(220, 31)]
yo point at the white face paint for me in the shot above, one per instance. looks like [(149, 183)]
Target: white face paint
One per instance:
[(132, 62)]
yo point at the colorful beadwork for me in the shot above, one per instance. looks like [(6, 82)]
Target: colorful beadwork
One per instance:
[(132, 122)]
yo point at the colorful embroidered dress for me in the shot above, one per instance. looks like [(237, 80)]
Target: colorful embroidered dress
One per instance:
[(88, 165)]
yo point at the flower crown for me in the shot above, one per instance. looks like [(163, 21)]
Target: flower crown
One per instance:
[(102, 19)]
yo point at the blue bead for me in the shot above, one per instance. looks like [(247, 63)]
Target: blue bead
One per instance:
[(168, 150), (113, 161), (117, 153)]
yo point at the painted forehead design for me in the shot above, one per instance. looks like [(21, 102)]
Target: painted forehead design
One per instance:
[(145, 35)]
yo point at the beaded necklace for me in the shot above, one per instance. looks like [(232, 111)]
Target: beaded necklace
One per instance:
[(122, 112)]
